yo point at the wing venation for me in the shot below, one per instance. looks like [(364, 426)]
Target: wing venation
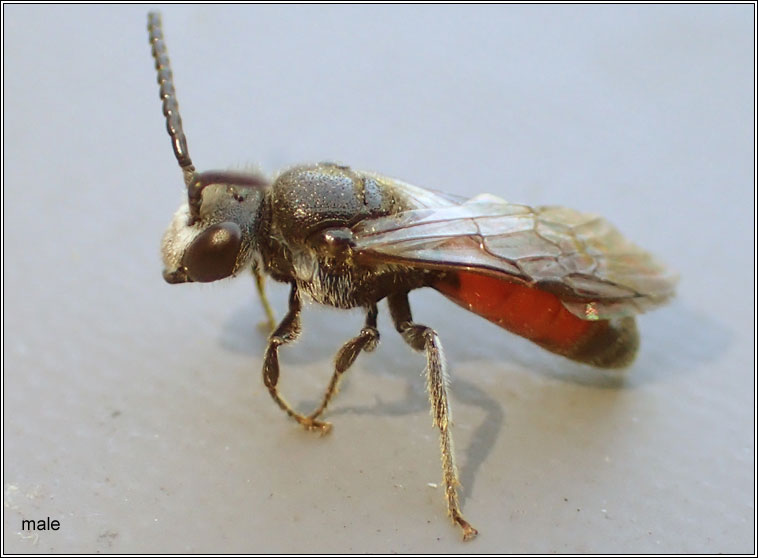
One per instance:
[(582, 258)]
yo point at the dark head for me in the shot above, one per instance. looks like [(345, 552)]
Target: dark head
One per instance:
[(219, 238)]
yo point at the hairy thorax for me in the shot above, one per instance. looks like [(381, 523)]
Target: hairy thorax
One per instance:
[(309, 214)]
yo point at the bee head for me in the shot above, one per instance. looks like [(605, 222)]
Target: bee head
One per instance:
[(212, 235)]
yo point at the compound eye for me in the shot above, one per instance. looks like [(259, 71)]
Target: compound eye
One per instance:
[(213, 254)]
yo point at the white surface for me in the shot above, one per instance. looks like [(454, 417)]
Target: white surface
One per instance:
[(134, 410)]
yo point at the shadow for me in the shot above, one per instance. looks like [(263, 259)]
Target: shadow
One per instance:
[(483, 437), (674, 340), (668, 351), (245, 331), (415, 401)]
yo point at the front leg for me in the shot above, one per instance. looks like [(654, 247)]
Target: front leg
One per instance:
[(288, 330), (260, 282), (424, 338)]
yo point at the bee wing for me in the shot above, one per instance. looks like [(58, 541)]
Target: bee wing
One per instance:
[(415, 196), (581, 258)]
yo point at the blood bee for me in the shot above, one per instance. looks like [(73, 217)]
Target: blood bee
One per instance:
[(568, 281)]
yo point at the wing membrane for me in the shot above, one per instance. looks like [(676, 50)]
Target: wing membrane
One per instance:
[(581, 258)]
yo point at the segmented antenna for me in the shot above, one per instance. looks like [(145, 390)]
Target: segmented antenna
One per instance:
[(195, 182), (168, 96)]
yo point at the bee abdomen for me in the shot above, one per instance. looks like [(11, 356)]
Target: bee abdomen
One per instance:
[(541, 317), (610, 344)]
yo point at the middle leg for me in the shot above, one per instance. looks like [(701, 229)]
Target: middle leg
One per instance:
[(365, 341)]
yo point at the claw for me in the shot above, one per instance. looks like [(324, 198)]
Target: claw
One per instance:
[(323, 428), (469, 533)]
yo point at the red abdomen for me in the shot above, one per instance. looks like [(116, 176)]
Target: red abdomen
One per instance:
[(541, 317)]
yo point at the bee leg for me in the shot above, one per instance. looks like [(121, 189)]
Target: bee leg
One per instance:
[(365, 341), (288, 330), (270, 322), (423, 338)]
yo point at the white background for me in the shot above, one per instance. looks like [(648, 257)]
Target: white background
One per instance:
[(134, 410)]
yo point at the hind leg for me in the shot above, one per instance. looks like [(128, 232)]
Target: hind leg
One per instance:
[(423, 338)]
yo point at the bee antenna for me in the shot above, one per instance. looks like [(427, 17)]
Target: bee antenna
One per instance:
[(168, 96)]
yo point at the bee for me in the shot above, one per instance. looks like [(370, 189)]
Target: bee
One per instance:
[(568, 281)]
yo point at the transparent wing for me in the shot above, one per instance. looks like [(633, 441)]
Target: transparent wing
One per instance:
[(581, 258), (415, 196)]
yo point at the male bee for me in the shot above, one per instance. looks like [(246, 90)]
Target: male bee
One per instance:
[(568, 281)]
